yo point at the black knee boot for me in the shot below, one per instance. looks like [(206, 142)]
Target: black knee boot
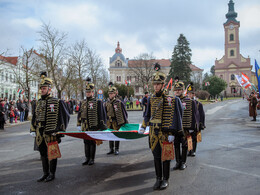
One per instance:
[(158, 171), (87, 154), (166, 175), (53, 165), (177, 158), (45, 167), (111, 146), (92, 154), (194, 145), (117, 147), (183, 158)]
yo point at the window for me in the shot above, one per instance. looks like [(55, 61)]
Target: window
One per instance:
[(128, 78), (232, 77), (232, 52), (118, 78), (136, 89), (6, 77), (231, 37), (221, 76), (118, 63), (11, 78), (3, 76)]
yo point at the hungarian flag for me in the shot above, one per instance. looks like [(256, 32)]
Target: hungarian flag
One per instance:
[(127, 83), (128, 132), (20, 91), (207, 84)]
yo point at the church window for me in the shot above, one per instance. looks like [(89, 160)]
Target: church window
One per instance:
[(118, 63), (232, 77), (232, 52), (231, 37)]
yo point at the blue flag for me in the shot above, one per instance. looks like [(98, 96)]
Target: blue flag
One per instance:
[(257, 73)]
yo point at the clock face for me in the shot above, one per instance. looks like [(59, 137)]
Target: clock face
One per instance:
[(231, 26)]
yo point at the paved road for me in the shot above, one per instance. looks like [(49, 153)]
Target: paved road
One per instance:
[(227, 161)]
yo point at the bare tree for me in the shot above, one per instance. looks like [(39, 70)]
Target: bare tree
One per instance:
[(26, 71), (56, 62), (142, 68), (78, 55), (96, 69)]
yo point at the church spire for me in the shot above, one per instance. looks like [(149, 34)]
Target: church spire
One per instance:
[(231, 15), (118, 49)]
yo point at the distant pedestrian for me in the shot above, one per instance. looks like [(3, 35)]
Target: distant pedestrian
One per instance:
[(144, 102), (16, 113), (22, 110), (131, 102), (137, 103), (12, 115), (2, 114), (252, 106)]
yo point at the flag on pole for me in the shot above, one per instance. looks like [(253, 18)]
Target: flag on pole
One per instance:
[(257, 73), (170, 82), (207, 84), (245, 80)]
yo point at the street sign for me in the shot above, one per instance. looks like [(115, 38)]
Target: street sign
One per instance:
[(100, 91), (100, 96)]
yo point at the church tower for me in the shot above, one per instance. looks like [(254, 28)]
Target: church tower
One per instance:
[(232, 62)]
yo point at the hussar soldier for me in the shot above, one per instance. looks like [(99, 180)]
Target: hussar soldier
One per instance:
[(116, 116), (200, 117), (91, 117), (189, 122), (49, 117), (164, 116)]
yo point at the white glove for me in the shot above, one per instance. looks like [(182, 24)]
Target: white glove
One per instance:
[(33, 134), (141, 130), (53, 134), (79, 128), (170, 138)]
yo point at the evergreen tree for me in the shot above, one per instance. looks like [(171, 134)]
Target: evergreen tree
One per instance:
[(181, 60)]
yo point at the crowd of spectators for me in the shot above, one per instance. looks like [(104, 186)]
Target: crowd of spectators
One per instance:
[(18, 111)]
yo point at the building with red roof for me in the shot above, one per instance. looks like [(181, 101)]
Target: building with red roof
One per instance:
[(122, 69)]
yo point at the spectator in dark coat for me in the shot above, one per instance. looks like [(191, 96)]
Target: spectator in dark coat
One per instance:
[(2, 114)]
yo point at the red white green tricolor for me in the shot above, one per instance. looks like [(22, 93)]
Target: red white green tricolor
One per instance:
[(128, 132)]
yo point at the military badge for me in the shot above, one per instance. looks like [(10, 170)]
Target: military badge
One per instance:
[(184, 105), (52, 107), (115, 107), (169, 99), (91, 105)]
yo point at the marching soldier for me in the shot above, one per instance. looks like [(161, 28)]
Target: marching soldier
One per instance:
[(49, 117), (201, 118), (91, 117), (116, 116), (189, 122), (164, 116)]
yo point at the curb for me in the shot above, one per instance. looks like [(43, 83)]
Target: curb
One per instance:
[(16, 124)]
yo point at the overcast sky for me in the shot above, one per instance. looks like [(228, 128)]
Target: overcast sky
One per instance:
[(141, 26)]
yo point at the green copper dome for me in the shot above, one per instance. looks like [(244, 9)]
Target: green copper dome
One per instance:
[(231, 15)]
